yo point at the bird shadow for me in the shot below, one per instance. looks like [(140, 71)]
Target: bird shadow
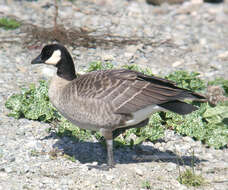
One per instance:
[(90, 152)]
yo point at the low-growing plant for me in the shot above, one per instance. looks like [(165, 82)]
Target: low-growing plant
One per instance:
[(9, 24), (139, 69), (32, 103), (98, 65), (189, 178), (34, 153), (187, 80), (146, 185), (71, 158), (221, 82), (206, 124)]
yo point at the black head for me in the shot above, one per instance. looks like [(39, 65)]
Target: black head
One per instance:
[(57, 55)]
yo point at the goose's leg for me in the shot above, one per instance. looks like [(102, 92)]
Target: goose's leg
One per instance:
[(109, 143)]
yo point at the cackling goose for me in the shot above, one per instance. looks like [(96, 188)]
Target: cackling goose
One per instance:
[(109, 100)]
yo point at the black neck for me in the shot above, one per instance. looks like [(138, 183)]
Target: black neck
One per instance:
[(66, 67)]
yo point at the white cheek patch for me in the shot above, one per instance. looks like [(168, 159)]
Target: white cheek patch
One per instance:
[(55, 57)]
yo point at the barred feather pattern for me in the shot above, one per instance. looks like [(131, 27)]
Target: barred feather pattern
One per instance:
[(128, 91)]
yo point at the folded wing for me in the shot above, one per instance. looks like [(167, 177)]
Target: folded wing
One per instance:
[(129, 91)]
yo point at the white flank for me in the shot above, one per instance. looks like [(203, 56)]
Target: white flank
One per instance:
[(55, 57), (142, 114)]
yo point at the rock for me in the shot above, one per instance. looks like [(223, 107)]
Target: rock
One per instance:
[(107, 57), (223, 56), (177, 63), (8, 169), (171, 166), (188, 139), (128, 55), (76, 52), (138, 171)]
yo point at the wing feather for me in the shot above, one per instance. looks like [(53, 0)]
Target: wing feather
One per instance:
[(128, 91)]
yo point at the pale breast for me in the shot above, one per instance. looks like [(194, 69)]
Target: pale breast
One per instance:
[(87, 113)]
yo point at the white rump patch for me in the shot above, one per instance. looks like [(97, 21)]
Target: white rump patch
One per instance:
[(55, 57), (142, 114)]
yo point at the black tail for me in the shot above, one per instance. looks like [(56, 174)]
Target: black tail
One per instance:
[(179, 107)]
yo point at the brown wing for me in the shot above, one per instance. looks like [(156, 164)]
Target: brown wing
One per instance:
[(128, 91)]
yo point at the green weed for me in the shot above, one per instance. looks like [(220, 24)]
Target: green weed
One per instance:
[(188, 80), (9, 24), (146, 185), (71, 158), (34, 153), (189, 178), (98, 65)]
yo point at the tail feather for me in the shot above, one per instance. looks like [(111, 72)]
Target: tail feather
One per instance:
[(179, 107), (195, 96)]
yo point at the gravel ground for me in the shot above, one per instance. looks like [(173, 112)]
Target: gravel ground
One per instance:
[(33, 158)]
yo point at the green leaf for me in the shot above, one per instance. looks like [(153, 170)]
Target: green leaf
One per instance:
[(187, 80), (190, 125), (9, 24), (217, 135), (210, 112), (98, 65), (33, 103), (139, 69)]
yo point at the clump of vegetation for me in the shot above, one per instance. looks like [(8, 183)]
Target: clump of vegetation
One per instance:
[(221, 82), (98, 65), (187, 80), (71, 158), (146, 185), (32, 103), (189, 178), (9, 24), (34, 153), (208, 124), (139, 69)]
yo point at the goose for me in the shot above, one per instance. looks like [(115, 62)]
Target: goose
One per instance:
[(110, 100)]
